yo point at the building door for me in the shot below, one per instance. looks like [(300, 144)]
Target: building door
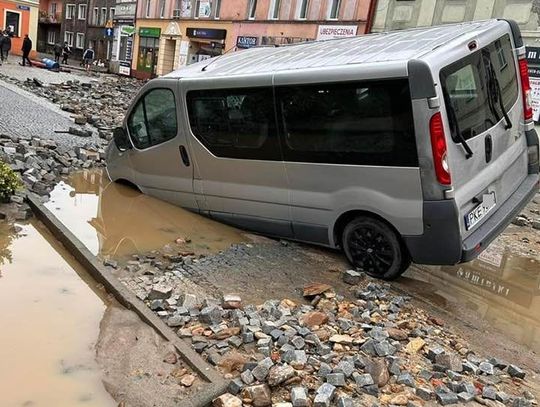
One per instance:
[(168, 54), (148, 53)]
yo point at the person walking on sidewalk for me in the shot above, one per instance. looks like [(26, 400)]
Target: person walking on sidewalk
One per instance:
[(26, 48), (65, 53), (58, 48), (88, 58), (5, 45)]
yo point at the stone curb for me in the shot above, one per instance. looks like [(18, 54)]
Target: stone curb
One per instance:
[(216, 386)]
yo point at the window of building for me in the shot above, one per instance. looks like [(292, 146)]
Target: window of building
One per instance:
[(52, 9), (153, 121), (51, 37), (95, 16), (112, 12), (274, 9), (235, 123), (217, 10), (70, 11), (79, 41), (68, 37), (82, 12), (103, 16), (197, 8), (301, 9), (333, 9), (252, 9), (161, 8), (363, 123), (147, 9), (478, 87), (13, 22)]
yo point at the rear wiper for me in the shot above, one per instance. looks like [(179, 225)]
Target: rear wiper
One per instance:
[(457, 131), (494, 83)]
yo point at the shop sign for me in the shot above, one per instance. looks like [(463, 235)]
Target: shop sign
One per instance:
[(150, 32), (243, 41), (124, 68), (185, 8), (533, 58), (127, 30), (207, 33), (204, 8), (328, 32), (26, 8), (124, 10)]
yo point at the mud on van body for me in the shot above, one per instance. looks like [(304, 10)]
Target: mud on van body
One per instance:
[(411, 145)]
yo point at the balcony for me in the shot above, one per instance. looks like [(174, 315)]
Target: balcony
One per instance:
[(50, 18)]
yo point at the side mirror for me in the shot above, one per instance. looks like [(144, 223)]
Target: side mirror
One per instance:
[(121, 139)]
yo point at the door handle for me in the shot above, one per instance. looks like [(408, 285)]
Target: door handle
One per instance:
[(184, 155), (489, 147)]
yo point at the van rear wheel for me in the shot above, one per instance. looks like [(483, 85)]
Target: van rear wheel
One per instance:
[(373, 247)]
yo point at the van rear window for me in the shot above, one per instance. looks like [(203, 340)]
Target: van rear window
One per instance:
[(477, 89)]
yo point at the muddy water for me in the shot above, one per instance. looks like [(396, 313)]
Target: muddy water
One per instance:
[(500, 289), (113, 220), (50, 322)]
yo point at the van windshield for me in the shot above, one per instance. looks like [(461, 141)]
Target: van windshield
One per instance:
[(479, 89)]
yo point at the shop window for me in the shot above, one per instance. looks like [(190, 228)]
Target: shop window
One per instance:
[(252, 9), (217, 10), (235, 123), (153, 121), (68, 37), (82, 12), (51, 37), (363, 123), (79, 43), (13, 19), (333, 9), (274, 9), (301, 11), (70, 11)]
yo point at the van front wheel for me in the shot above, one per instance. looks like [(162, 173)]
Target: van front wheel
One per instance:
[(373, 247)]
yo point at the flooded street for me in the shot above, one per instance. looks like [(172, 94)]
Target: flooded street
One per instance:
[(115, 221), (51, 320)]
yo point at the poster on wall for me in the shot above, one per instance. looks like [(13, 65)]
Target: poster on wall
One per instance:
[(183, 53), (204, 8), (185, 8), (533, 60)]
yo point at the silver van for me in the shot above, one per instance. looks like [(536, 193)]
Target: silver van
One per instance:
[(414, 145)]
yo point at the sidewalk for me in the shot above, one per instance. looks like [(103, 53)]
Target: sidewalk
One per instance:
[(74, 64)]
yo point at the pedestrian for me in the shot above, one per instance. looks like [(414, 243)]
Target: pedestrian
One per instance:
[(26, 48), (58, 48), (88, 58), (5, 45), (65, 53)]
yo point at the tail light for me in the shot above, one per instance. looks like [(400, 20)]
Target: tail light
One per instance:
[(526, 88), (438, 146)]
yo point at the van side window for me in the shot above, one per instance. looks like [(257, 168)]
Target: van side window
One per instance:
[(235, 123), (153, 121), (476, 86), (363, 123)]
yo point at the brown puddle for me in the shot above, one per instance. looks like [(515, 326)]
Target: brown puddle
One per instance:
[(499, 288), (50, 322), (113, 220)]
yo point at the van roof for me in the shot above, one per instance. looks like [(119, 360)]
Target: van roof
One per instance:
[(391, 46)]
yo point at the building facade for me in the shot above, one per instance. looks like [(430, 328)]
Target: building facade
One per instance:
[(19, 18), (396, 14), (124, 33), (74, 26), (100, 32), (173, 33), (50, 19)]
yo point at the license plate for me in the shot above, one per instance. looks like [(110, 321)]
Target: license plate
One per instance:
[(474, 216)]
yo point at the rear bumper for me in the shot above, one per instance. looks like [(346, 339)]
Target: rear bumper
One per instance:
[(441, 242), (495, 225)]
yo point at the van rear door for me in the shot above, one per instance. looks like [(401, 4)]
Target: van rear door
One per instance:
[(487, 149)]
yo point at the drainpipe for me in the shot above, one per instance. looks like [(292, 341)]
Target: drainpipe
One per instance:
[(371, 16)]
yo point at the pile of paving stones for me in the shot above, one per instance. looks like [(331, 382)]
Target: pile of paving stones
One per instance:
[(371, 349), (41, 163)]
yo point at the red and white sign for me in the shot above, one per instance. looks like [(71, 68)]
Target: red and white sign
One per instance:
[(328, 32)]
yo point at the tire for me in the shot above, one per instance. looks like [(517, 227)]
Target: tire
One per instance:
[(374, 248)]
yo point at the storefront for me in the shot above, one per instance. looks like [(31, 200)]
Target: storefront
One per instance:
[(124, 33), (147, 51), (205, 43)]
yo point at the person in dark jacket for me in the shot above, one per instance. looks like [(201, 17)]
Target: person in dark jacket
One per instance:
[(58, 48), (26, 48), (65, 53), (5, 45)]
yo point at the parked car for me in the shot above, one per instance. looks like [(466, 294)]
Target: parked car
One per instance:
[(410, 145)]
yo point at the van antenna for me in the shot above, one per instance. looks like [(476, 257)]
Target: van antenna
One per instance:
[(203, 69)]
